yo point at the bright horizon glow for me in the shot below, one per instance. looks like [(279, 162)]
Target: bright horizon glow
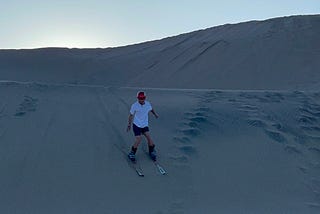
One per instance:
[(106, 23)]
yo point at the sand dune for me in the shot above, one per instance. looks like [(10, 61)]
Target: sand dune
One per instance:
[(281, 53)]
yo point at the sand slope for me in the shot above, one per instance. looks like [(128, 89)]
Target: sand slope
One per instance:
[(62, 151)]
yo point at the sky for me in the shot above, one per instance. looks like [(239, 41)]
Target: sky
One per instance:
[(105, 23)]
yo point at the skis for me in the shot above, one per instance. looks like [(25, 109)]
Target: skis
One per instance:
[(137, 167), (139, 170), (133, 164), (160, 168), (156, 163)]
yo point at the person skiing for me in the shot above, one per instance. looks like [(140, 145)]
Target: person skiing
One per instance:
[(138, 119)]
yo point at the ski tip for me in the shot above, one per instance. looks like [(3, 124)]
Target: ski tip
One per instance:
[(140, 174), (161, 170), (163, 173)]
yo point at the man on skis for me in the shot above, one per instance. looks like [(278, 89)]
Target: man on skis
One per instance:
[(138, 119)]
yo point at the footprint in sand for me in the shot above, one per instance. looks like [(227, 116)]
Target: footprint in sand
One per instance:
[(249, 108), (182, 139), (270, 124), (191, 132), (273, 97), (188, 150), (315, 151), (256, 123), (276, 136), (311, 128), (309, 119), (185, 143), (211, 96), (266, 97), (306, 120), (255, 117), (193, 120), (254, 97), (29, 104), (191, 129), (303, 169), (293, 150)]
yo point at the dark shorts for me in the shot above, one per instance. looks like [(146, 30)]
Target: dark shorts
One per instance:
[(138, 131)]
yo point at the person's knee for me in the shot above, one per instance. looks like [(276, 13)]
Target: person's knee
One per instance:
[(138, 139), (147, 136)]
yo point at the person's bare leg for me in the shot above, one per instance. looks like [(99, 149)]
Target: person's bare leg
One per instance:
[(134, 148), (137, 142), (151, 145), (149, 140)]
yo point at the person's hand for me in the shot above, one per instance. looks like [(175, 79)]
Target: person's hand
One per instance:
[(128, 128), (156, 115)]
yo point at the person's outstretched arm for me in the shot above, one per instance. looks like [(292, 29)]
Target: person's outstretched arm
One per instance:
[(129, 122), (154, 113)]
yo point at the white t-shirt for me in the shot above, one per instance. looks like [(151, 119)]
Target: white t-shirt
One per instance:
[(140, 113)]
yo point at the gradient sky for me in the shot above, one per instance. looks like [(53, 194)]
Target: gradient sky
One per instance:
[(105, 23)]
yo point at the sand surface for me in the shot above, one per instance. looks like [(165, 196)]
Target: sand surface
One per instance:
[(62, 150)]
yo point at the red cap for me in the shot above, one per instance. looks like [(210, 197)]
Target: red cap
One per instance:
[(141, 95)]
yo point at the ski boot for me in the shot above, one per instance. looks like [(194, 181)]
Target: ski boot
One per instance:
[(152, 153), (132, 154)]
